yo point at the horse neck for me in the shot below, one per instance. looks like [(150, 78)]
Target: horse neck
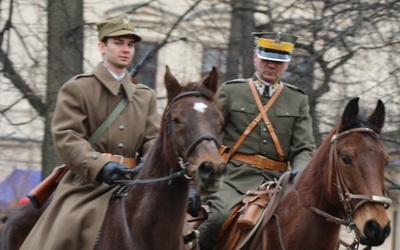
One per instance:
[(168, 197), (315, 183), (162, 161)]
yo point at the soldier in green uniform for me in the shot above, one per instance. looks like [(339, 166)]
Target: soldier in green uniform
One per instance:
[(75, 214), (260, 157)]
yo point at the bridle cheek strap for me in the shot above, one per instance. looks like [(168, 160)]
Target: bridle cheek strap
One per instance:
[(344, 194)]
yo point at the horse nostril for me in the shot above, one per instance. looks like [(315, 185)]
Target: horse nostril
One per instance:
[(371, 229), (375, 236), (205, 170)]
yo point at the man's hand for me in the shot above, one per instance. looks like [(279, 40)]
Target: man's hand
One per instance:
[(111, 172), (293, 174), (194, 205)]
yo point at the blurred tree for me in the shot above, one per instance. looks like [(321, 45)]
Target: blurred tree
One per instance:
[(65, 59)]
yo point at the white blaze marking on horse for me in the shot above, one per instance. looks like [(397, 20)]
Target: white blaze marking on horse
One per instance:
[(200, 106)]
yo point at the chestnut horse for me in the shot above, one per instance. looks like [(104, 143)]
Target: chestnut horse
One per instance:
[(342, 185), (149, 211)]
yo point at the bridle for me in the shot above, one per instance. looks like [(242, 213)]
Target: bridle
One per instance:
[(188, 150), (345, 196), (185, 165)]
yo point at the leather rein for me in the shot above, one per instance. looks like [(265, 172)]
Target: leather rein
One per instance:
[(345, 196)]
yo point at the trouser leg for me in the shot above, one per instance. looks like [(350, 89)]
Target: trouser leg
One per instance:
[(220, 204)]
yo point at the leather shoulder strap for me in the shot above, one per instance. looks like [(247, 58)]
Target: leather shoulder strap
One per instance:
[(263, 112), (256, 120), (107, 122)]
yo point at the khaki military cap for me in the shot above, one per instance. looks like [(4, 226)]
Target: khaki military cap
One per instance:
[(275, 46), (119, 26)]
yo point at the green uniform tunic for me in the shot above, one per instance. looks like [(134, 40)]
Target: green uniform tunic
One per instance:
[(290, 118)]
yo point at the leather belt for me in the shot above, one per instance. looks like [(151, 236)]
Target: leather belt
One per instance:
[(260, 161), (129, 162)]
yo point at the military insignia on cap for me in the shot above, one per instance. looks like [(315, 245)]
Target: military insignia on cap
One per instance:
[(278, 37), (127, 23), (275, 46)]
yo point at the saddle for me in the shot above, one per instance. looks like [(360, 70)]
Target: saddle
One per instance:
[(253, 212)]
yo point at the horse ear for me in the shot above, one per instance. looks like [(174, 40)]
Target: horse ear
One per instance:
[(378, 116), (211, 81), (350, 114), (171, 84)]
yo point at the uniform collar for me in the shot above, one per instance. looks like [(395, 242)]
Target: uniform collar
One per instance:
[(113, 85), (256, 78)]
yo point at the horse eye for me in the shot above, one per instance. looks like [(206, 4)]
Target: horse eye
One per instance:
[(175, 120), (346, 159)]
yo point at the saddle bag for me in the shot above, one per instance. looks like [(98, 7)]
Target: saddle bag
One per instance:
[(253, 205)]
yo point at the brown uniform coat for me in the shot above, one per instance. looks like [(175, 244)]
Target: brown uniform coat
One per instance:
[(76, 212)]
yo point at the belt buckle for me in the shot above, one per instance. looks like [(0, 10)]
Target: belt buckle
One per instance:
[(260, 161), (121, 159)]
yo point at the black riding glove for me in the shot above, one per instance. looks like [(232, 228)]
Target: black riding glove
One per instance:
[(194, 205), (111, 172), (293, 174)]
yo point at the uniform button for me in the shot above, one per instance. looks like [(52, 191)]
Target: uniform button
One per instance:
[(265, 141), (95, 156), (121, 127), (264, 153), (265, 129), (287, 113), (242, 109), (121, 145)]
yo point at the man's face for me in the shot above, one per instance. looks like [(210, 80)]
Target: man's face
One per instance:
[(269, 71), (118, 51)]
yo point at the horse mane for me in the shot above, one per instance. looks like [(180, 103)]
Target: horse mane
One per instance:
[(363, 122), (199, 86)]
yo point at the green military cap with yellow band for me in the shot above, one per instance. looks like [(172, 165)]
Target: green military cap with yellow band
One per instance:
[(275, 46), (119, 26)]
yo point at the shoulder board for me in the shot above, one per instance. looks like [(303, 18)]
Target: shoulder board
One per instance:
[(295, 88), (239, 80), (83, 75), (141, 86)]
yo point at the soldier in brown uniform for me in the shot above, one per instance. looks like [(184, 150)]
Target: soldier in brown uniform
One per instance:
[(289, 117), (76, 212)]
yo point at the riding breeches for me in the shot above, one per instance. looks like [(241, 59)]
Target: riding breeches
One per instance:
[(220, 210)]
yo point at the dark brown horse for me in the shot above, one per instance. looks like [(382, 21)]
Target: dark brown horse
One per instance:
[(150, 212), (186, 147), (342, 185)]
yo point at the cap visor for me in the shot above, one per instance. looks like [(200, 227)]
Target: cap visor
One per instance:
[(273, 56), (125, 33)]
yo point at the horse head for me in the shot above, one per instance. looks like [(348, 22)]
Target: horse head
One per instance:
[(193, 123), (358, 160)]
